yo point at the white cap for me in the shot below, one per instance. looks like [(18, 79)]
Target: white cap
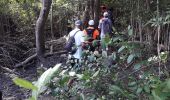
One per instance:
[(91, 22), (105, 14)]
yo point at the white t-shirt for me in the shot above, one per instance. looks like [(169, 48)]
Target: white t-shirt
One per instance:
[(79, 38)]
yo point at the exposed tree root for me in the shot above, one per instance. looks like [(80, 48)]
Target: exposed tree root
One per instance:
[(34, 57)]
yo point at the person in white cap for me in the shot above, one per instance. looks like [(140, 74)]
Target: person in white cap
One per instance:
[(105, 27), (79, 39), (91, 33)]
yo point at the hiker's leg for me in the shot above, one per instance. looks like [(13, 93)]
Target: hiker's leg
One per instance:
[(103, 44)]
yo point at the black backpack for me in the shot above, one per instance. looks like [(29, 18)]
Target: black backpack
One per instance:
[(90, 34), (70, 44)]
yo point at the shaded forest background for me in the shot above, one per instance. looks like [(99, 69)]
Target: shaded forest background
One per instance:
[(145, 22)]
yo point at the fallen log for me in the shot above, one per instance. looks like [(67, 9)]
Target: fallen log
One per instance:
[(34, 57)]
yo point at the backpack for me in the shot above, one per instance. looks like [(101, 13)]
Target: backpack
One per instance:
[(90, 32), (106, 26), (69, 47)]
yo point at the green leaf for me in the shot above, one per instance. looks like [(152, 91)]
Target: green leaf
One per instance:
[(104, 54), (147, 89), (121, 49), (116, 89), (80, 76), (114, 55), (116, 39), (32, 98), (132, 84), (139, 90), (64, 80), (156, 97), (130, 32), (168, 83), (137, 66), (107, 39), (130, 58), (129, 27), (82, 96), (24, 83), (95, 74), (44, 80)]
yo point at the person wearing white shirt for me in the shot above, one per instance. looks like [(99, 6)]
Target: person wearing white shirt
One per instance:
[(79, 39)]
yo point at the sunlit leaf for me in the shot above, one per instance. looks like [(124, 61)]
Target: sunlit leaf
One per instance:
[(114, 55), (130, 58), (44, 80), (95, 74), (24, 83), (121, 49)]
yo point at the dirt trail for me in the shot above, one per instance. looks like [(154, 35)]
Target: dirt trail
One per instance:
[(13, 92)]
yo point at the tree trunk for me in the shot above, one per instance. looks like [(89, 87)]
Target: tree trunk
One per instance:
[(92, 9), (86, 15), (52, 32), (39, 31), (96, 12)]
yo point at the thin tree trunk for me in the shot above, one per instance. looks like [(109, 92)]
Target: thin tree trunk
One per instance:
[(86, 15), (39, 31), (52, 32), (92, 9), (96, 12), (158, 31), (139, 22)]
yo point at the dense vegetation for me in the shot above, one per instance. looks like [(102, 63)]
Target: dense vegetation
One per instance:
[(136, 66)]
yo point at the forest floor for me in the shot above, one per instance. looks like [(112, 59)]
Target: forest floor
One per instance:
[(13, 92)]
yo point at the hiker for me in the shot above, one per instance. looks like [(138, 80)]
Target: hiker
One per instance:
[(105, 27), (79, 39), (91, 34)]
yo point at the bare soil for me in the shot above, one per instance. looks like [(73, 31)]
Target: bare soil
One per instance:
[(12, 92)]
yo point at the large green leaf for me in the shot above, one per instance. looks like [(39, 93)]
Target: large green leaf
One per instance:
[(44, 80), (156, 97), (24, 83)]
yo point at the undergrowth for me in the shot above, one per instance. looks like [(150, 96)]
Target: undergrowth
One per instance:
[(127, 71)]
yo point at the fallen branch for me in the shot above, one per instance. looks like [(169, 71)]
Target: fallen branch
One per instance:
[(35, 55), (9, 70), (26, 61), (61, 40), (10, 45)]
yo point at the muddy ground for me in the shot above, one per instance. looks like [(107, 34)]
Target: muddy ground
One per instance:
[(11, 91)]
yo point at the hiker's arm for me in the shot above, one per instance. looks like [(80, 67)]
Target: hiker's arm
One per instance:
[(100, 24)]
